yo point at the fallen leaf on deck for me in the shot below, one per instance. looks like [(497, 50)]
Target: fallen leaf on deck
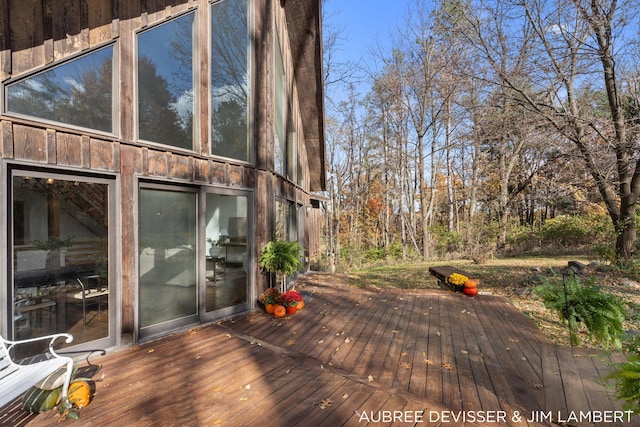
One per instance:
[(345, 396), (405, 365), (404, 353), (538, 386), (370, 378), (428, 362), (346, 340), (447, 366), (325, 403)]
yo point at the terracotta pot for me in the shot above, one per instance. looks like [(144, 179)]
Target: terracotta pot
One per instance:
[(291, 309)]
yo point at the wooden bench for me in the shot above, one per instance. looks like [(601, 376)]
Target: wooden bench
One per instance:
[(16, 377), (443, 272)]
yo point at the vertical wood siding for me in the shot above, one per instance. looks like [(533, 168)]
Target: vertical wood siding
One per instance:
[(37, 33)]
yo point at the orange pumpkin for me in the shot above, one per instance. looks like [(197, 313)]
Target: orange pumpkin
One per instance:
[(79, 394), (470, 291), (269, 308), (279, 311), (291, 309), (471, 283), (300, 305)]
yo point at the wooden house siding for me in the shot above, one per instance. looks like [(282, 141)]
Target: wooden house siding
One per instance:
[(35, 34)]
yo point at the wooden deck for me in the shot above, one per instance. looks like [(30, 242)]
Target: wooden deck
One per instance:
[(347, 357)]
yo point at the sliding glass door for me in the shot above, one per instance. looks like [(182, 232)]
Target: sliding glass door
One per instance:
[(227, 258), (61, 229), (194, 256), (167, 259)]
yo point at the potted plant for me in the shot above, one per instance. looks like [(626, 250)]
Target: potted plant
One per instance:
[(282, 258), (291, 300), (55, 250), (269, 298)]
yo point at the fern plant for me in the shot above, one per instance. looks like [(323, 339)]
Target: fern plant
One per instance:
[(626, 379), (575, 302), (281, 257)]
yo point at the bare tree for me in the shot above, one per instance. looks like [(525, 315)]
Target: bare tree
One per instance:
[(576, 51)]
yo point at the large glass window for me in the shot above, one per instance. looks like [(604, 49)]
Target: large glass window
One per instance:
[(165, 83), (60, 250), (230, 81), (78, 92), (285, 144), (281, 112), (285, 221), (167, 263), (227, 262)]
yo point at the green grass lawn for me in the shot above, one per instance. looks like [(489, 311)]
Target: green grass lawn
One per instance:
[(498, 274)]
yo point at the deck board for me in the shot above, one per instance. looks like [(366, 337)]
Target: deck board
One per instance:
[(425, 350)]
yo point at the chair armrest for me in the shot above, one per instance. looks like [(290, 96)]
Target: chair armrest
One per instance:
[(52, 338)]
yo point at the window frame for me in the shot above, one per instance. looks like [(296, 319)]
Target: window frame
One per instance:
[(7, 285), (195, 64), (115, 91), (250, 142)]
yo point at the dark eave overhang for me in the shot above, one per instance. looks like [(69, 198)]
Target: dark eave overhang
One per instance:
[(304, 19)]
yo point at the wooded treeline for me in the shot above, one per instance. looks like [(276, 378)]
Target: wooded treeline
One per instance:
[(490, 126)]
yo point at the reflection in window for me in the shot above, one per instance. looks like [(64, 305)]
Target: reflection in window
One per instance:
[(226, 230), (281, 119), (229, 79), (60, 258), (165, 83), (167, 263), (285, 221), (78, 92)]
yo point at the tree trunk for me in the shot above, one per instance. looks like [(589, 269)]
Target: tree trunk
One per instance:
[(626, 231)]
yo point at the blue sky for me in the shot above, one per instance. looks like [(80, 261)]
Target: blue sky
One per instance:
[(366, 23)]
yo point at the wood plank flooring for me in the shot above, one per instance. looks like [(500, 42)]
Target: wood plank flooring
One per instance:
[(351, 357)]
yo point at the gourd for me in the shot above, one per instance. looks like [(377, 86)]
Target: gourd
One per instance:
[(269, 308), (471, 283), (300, 305), (279, 311), (37, 400), (470, 291), (79, 394)]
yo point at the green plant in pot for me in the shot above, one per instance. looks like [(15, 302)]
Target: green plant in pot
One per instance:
[(603, 314), (282, 258)]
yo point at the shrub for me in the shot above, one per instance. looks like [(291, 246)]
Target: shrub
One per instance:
[(626, 379), (576, 230), (601, 313), (375, 254)]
